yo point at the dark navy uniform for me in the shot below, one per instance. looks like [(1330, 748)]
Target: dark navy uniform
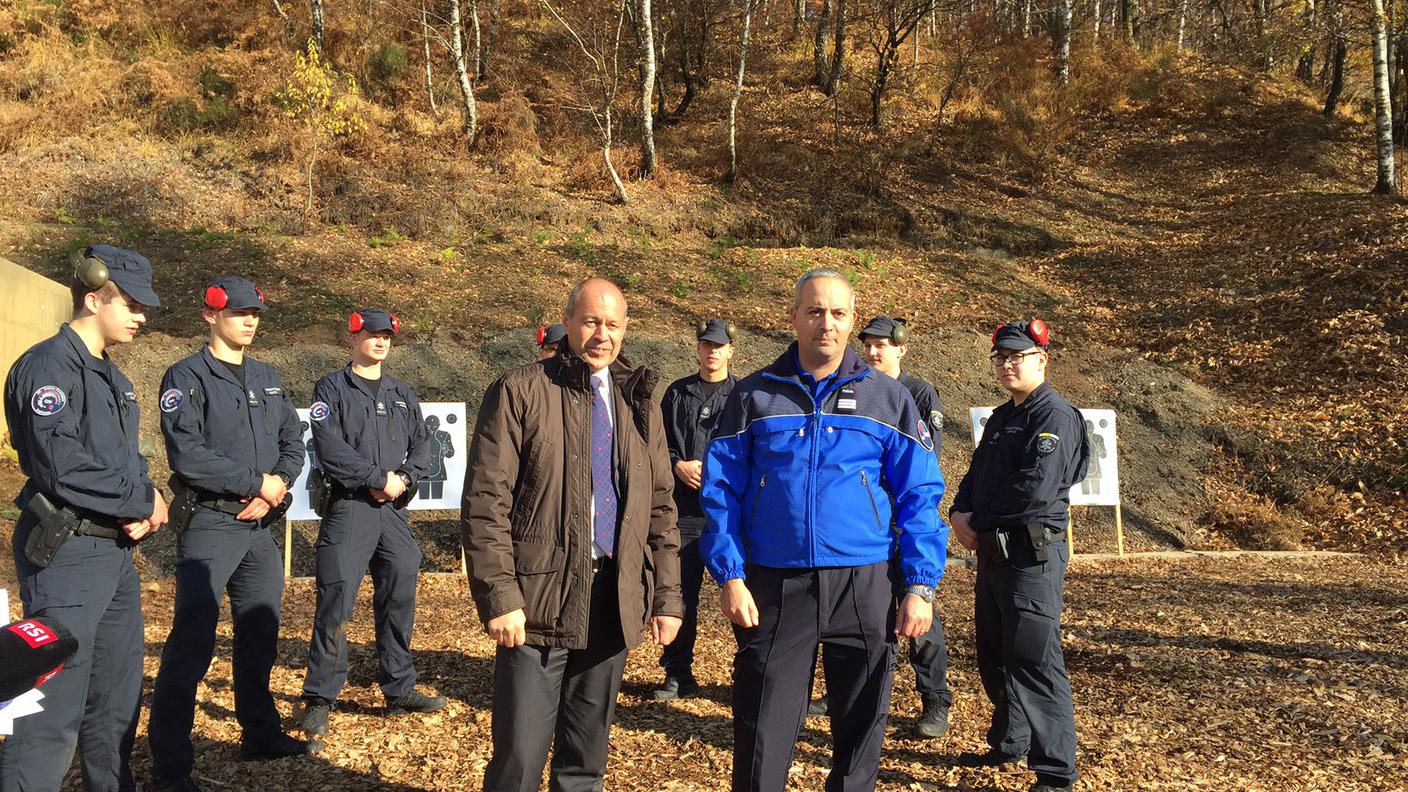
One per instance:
[(73, 422), (928, 654), (1018, 485), (691, 409), (359, 437), (222, 435)]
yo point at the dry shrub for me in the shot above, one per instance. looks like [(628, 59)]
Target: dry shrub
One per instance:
[(1253, 522), (508, 134), (1325, 504)]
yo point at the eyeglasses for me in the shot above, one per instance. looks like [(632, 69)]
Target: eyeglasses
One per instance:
[(999, 360)]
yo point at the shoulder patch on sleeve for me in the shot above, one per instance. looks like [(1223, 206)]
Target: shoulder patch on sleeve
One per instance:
[(936, 419), (925, 439), (319, 411), (1046, 442), (48, 400), (172, 400)]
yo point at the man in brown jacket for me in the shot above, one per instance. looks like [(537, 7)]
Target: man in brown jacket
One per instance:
[(569, 533)]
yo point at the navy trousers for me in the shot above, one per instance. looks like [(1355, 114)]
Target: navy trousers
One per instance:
[(218, 555), (92, 589), (353, 537), (1018, 632), (850, 613)]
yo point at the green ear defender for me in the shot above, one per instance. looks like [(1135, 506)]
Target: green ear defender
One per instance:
[(91, 272), (900, 335)]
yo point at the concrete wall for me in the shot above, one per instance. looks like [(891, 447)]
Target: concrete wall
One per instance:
[(31, 309)]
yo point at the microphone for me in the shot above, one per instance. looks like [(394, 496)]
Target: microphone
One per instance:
[(32, 651)]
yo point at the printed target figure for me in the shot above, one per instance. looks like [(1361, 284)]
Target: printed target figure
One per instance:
[(432, 487)]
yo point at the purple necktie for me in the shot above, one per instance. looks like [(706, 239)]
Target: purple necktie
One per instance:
[(603, 484)]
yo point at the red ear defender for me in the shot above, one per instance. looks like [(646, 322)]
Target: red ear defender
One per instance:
[(1040, 332), (215, 298), (995, 331), (542, 334), (354, 323), (260, 292), (395, 325)]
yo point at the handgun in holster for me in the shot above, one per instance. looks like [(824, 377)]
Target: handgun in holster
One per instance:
[(1003, 539), (322, 492), (404, 498), (277, 512), (183, 505), (53, 526)]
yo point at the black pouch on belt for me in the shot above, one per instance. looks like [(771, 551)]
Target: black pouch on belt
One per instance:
[(1036, 533)]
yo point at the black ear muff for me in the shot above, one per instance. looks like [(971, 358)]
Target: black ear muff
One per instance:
[(732, 330), (91, 272), (1039, 332), (355, 323), (215, 298), (900, 335)]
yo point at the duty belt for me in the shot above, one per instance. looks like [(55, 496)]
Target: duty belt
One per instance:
[(1000, 542)]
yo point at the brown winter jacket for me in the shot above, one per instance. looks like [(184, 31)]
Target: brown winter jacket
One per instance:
[(526, 517)]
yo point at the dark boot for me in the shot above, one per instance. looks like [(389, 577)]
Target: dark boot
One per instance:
[(933, 722), (315, 717), (415, 701), (676, 687)]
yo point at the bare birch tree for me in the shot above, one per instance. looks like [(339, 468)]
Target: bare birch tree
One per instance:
[(1383, 108), (645, 35), (425, 45), (1061, 41), (317, 9), (732, 175), (490, 39), (597, 37), (471, 111)]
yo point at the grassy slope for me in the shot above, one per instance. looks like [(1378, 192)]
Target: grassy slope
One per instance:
[(1184, 212)]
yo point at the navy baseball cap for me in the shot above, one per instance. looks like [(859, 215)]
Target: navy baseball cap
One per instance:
[(552, 334), (714, 331), (882, 327), (373, 320), (130, 270), (1021, 335), (235, 293)]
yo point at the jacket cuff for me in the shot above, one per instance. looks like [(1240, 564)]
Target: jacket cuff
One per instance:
[(253, 481), (377, 480), (673, 606), (495, 605), (922, 579), (731, 573)]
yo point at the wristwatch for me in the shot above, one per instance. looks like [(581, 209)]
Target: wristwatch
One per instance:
[(405, 479), (925, 593)]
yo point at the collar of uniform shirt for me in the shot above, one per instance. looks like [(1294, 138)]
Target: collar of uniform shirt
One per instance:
[(601, 382), (819, 390)]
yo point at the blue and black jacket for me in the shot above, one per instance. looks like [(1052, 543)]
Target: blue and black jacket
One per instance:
[(804, 474)]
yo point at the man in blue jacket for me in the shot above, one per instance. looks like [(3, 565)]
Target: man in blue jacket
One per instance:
[(812, 456), (234, 444)]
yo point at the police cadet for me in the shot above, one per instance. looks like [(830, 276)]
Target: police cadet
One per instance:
[(373, 447), (549, 338), (885, 342), (88, 499), (234, 443), (1012, 508), (691, 409)]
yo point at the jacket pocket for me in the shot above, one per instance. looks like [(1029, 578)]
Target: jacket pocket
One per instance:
[(870, 494), (538, 567)]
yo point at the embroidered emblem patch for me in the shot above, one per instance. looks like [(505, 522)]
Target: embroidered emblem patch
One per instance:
[(319, 411), (1046, 442), (48, 400), (925, 439), (172, 400)]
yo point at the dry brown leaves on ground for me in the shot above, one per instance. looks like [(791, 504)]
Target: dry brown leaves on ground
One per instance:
[(1232, 673)]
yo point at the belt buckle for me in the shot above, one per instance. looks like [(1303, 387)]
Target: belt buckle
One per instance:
[(599, 563)]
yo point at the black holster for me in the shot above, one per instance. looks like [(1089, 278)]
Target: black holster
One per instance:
[(184, 501), (52, 527), (322, 492), (1036, 534)]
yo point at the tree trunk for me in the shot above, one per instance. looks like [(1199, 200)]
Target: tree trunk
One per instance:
[(821, 68), (732, 175), (1305, 67), (475, 53), (1383, 108), (1332, 97), (489, 40), (1263, 51), (1182, 21), (1095, 15), (318, 27), (1061, 30), (471, 112), (799, 16), (1400, 106), (429, 76), (645, 30), (1127, 17), (1026, 18), (611, 166), (838, 49)]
